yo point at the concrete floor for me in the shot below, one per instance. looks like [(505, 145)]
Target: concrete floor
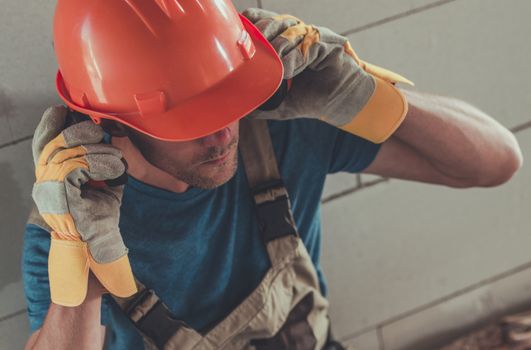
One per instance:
[(409, 265)]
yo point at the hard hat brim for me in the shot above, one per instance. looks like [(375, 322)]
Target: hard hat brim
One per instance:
[(244, 90)]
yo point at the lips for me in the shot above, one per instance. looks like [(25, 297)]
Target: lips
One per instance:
[(219, 159)]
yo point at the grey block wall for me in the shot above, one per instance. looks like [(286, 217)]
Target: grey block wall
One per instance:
[(409, 265)]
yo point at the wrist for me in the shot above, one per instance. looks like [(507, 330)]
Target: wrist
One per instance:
[(94, 289)]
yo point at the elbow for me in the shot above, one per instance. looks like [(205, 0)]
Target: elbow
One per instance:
[(508, 165), (497, 170), (30, 344)]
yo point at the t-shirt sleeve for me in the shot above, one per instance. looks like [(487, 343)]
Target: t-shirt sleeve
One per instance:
[(335, 149), (35, 274), (350, 153)]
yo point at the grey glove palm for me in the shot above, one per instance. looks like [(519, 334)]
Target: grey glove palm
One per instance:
[(329, 81)]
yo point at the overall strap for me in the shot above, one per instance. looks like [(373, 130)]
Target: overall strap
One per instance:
[(257, 152), (150, 316), (270, 196)]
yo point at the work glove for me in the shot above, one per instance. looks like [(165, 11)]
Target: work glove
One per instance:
[(83, 219), (325, 79)]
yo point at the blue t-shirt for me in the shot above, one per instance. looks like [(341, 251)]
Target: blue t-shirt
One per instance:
[(201, 250)]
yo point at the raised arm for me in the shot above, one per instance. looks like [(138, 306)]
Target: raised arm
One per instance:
[(447, 141), (72, 327)]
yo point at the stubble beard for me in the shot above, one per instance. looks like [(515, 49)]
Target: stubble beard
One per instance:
[(195, 179), (191, 173)]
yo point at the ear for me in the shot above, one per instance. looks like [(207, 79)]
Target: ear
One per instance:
[(114, 128)]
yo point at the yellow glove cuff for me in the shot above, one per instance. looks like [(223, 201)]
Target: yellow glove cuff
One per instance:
[(381, 116), (68, 267), (387, 107)]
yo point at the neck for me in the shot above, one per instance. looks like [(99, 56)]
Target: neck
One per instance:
[(141, 169)]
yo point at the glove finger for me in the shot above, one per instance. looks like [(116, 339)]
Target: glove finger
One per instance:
[(68, 268), (105, 166), (75, 171), (293, 60), (65, 154), (116, 276), (69, 153), (99, 167), (50, 125), (103, 148), (271, 24), (96, 162), (290, 37), (256, 14), (83, 133)]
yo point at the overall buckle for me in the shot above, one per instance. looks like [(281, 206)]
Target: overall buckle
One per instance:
[(152, 317), (273, 206)]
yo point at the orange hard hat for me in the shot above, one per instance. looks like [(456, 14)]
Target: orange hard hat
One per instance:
[(175, 70)]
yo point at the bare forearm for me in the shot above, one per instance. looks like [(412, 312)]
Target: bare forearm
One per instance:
[(72, 327), (458, 139)]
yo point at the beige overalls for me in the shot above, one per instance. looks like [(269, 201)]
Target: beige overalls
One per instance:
[(285, 311)]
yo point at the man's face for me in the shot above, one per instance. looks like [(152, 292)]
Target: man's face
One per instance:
[(207, 162)]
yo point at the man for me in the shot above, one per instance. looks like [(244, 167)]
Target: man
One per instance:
[(194, 236)]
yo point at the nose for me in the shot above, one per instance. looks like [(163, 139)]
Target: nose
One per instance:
[(220, 138)]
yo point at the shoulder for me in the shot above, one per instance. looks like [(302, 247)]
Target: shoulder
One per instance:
[(301, 143), (328, 148), (300, 129), (307, 136)]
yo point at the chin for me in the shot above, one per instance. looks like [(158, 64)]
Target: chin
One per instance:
[(223, 180), (220, 174)]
